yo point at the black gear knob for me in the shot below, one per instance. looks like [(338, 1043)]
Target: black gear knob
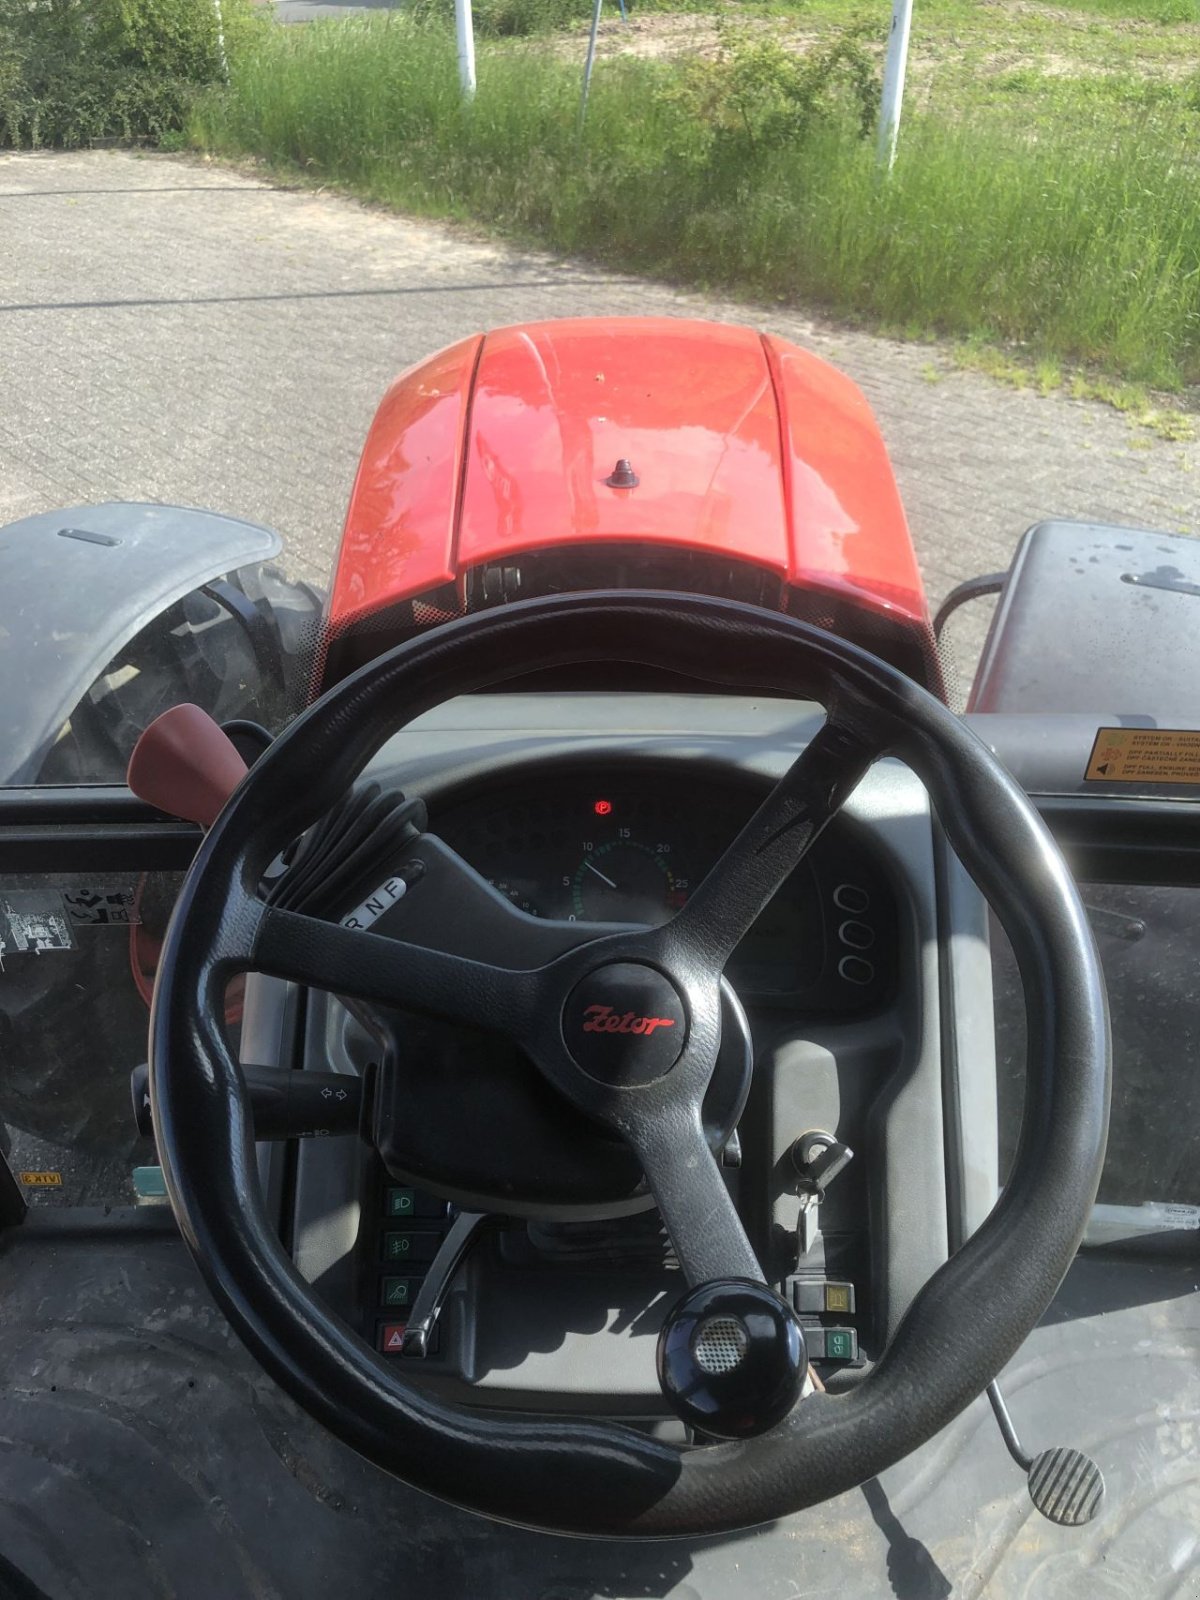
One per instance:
[(731, 1358)]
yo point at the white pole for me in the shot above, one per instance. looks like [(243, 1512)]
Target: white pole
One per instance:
[(222, 57), (464, 30), (893, 81), (591, 59)]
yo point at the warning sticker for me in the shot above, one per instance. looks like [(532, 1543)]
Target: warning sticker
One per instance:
[(100, 908), (32, 925), (1145, 755), (41, 1180)]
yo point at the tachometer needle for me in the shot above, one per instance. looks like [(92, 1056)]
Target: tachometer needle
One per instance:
[(599, 874)]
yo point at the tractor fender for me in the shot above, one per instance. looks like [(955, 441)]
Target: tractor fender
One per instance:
[(77, 585)]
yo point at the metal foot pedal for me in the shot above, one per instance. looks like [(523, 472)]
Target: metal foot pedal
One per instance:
[(1066, 1486)]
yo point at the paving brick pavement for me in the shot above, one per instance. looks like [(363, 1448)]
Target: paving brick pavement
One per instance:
[(177, 331)]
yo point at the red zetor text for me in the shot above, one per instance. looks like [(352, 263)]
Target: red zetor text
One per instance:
[(603, 1019)]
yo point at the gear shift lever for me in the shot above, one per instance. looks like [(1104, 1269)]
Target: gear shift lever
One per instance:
[(185, 765)]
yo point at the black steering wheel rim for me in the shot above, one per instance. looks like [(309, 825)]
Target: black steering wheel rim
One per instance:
[(590, 1477)]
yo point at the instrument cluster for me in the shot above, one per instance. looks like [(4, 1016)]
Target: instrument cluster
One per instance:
[(608, 846)]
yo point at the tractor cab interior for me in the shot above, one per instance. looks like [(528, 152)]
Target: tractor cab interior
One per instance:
[(602, 1135)]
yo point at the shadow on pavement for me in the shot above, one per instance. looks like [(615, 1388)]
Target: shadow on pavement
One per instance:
[(912, 1571), (493, 287)]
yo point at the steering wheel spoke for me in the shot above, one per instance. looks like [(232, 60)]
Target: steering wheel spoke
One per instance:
[(391, 972), (724, 908), (700, 1217), (451, 907)]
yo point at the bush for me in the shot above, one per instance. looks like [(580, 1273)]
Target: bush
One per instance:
[(755, 95), (76, 71), (512, 19), (505, 19)]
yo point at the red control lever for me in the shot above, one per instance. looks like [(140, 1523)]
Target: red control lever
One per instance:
[(185, 765)]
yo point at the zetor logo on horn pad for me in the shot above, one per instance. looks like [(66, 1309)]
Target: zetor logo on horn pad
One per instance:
[(603, 1019), (625, 1024)]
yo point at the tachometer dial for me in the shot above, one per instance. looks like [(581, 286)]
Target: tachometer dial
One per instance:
[(517, 895), (623, 880)]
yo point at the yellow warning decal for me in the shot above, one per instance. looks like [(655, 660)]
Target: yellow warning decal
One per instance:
[(1145, 755), (41, 1180)]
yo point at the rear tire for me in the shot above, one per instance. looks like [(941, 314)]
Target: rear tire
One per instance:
[(239, 647), (73, 1023)]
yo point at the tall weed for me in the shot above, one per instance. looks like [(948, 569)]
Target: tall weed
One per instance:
[(1077, 234)]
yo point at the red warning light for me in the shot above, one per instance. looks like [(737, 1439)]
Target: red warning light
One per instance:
[(603, 808)]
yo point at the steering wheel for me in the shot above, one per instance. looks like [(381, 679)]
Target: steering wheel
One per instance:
[(644, 1085)]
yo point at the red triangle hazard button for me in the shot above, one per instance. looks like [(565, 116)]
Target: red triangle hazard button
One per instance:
[(391, 1337), (396, 1339)]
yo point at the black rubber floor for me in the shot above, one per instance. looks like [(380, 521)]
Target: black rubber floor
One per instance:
[(143, 1454)]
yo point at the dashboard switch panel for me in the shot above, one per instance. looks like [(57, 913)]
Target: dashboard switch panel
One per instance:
[(412, 1226)]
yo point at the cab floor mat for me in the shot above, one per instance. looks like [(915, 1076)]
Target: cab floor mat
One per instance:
[(142, 1453)]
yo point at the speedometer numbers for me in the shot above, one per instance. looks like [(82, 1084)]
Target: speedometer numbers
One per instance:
[(515, 893), (623, 879)]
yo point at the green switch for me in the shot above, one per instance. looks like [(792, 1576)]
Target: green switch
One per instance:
[(149, 1185), (840, 1344), (397, 1291), (411, 1246), (401, 1202)]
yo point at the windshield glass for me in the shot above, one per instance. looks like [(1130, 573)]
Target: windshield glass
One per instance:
[(1148, 939), (78, 956), (237, 358)]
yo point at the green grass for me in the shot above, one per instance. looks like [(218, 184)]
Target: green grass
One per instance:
[(993, 20), (1163, 12), (1060, 215)]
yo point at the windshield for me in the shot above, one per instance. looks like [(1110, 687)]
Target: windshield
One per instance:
[(78, 956), (235, 358)]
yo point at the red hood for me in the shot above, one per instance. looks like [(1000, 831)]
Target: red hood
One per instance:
[(743, 445)]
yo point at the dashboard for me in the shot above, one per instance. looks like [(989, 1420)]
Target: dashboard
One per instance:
[(594, 846), (837, 978), (592, 807)]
